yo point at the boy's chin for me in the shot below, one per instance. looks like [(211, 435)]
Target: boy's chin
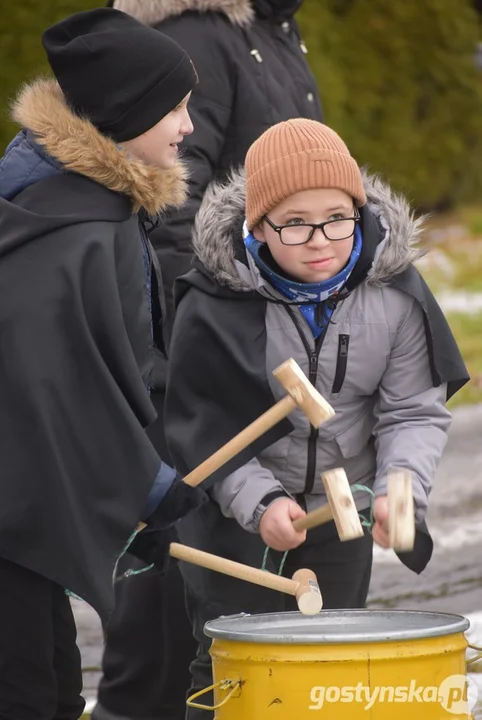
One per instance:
[(166, 163), (314, 277)]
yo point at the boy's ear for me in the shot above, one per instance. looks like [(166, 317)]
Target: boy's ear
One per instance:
[(258, 232)]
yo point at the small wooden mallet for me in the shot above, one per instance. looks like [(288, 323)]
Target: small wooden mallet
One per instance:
[(341, 508), (303, 585), (301, 394), (401, 514)]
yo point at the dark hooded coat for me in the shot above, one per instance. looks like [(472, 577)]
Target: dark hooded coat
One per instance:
[(77, 287), (253, 73)]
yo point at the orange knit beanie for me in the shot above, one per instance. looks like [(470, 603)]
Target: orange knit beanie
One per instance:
[(297, 155)]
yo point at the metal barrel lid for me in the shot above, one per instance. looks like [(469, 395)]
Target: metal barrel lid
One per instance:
[(331, 627)]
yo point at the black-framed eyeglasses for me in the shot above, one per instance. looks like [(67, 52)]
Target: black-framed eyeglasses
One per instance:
[(302, 233)]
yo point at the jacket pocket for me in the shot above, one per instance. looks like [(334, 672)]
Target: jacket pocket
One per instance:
[(341, 363)]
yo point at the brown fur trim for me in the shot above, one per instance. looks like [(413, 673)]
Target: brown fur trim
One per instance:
[(77, 144), (151, 12)]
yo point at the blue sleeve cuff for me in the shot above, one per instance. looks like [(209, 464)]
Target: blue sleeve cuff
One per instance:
[(164, 479)]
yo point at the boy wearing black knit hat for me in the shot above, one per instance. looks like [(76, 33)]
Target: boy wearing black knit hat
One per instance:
[(80, 321)]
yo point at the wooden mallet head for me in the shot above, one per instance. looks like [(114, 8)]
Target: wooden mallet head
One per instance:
[(401, 513), (303, 393), (342, 504), (341, 508), (308, 595)]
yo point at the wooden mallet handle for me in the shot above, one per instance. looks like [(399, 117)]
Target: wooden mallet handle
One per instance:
[(241, 441), (303, 586), (320, 516), (300, 394), (250, 433)]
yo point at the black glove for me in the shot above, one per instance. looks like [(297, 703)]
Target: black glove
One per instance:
[(179, 501), (152, 547)]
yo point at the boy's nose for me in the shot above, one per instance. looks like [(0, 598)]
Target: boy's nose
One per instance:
[(319, 238), (187, 127)]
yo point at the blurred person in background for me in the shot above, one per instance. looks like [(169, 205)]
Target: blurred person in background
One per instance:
[(253, 73)]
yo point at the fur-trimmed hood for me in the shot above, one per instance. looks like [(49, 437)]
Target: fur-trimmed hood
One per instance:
[(152, 12), (78, 146), (221, 216)]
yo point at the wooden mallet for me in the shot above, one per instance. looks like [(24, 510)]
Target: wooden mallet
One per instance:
[(303, 585), (300, 394), (341, 508), (401, 514)]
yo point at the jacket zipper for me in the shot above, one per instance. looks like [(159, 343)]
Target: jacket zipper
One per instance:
[(341, 363), (313, 356)]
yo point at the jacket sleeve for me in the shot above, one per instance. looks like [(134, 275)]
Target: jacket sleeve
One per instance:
[(240, 494), (412, 420), (210, 110)]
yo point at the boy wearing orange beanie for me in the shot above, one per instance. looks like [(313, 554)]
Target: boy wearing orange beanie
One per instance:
[(304, 257)]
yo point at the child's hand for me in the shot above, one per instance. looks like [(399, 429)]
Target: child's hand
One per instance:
[(276, 526), (380, 526)]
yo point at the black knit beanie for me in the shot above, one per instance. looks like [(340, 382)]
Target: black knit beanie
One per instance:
[(121, 74)]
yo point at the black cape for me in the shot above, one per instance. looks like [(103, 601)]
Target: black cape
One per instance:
[(75, 356), (240, 392)]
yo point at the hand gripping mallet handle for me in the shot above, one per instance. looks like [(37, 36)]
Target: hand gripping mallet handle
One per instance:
[(303, 585), (341, 508)]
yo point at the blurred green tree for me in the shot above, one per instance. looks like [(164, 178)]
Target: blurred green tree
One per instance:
[(22, 56), (400, 84), (398, 81)]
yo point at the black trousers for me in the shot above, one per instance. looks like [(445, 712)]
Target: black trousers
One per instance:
[(343, 571), (149, 648), (149, 638), (40, 670)]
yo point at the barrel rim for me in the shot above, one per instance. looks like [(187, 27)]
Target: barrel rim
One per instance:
[(229, 627)]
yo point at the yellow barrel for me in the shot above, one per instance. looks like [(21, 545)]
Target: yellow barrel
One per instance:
[(370, 664)]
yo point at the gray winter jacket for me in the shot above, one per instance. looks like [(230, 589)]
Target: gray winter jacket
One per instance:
[(388, 412)]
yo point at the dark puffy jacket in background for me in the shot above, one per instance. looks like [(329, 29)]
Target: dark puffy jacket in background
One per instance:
[(252, 74)]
